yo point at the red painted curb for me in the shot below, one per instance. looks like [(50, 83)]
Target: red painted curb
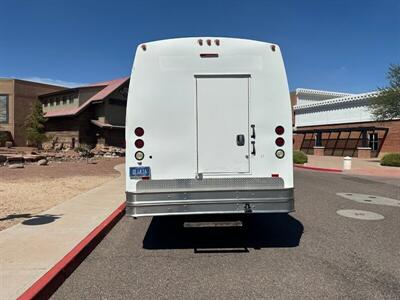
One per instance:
[(46, 285), (318, 169)]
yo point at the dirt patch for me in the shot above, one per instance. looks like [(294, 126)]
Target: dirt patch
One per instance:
[(34, 189)]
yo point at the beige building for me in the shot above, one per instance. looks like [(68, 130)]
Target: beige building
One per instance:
[(91, 114), (16, 99)]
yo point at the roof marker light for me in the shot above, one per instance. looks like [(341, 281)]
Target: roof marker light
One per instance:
[(273, 48), (216, 42), (200, 41), (209, 42), (144, 47)]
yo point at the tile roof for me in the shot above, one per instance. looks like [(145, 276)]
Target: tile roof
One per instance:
[(105, 125), (321, 93), (62, 112), (109, 87)]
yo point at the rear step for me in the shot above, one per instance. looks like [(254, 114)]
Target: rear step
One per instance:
[(213, 224), (204, 221)]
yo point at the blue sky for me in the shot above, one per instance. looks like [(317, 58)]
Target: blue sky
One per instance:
[(343, 45)]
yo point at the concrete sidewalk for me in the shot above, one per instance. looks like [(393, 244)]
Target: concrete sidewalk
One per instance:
[(359, 166), (29, 250)]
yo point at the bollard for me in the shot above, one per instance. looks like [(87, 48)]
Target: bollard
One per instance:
[(347, 163)]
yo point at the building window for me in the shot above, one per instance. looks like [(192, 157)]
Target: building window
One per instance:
[(64, 100), (45, 103), (57, 101), (373, 141), (51, 102), (3, 108)]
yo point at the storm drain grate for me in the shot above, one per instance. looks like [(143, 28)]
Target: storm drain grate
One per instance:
[(370, 199)]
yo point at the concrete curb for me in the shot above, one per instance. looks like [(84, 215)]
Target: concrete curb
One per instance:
[(45, 286), (318, 168)]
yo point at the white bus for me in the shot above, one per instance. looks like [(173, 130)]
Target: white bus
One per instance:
[(208, 129)]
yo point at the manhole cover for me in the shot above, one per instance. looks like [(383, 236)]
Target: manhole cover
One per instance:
[(370, 199), (359, 214)]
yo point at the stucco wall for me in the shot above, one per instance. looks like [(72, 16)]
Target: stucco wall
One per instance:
[(335, 113), (115, 108), (26, 93)]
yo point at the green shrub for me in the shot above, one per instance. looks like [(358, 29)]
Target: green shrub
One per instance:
[(84, 149), (34, 126), (391, 159), (299, 157)]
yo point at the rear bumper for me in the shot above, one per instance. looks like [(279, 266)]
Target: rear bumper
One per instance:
[(209, 202)]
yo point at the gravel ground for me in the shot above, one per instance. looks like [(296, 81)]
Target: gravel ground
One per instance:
[(311, 254), (29, 191)]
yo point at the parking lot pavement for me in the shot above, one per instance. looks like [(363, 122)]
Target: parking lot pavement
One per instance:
[(311, 253)]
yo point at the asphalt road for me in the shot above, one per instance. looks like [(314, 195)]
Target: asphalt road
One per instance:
[(312, 253)]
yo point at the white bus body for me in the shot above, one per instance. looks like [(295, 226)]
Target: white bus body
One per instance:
[(204, 129)]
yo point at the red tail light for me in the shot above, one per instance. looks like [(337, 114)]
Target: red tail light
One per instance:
[(139, 131), (139, 143), (280, 142), (279, 130)]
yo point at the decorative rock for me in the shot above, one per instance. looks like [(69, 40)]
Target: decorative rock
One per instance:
[(33, 158), (58, 146), (42, 162), (16, 166), (15, 160), (8, 144), (59, 155), (47, 146), (92, 161)]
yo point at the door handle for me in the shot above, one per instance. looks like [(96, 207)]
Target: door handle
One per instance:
[(240, 140), (253, 135), (253, 152)]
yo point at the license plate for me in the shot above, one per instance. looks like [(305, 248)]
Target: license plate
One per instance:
[(139, 172)]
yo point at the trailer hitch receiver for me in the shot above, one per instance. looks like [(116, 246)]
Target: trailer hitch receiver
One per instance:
[(247, 208)]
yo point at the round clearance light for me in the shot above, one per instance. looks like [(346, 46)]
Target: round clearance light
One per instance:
[(200, 41), (139, 143), (209, 42), (280, 142), (139, 155), (280, 153), (144, 47), (139, 131), (279, 130), (216, 42)]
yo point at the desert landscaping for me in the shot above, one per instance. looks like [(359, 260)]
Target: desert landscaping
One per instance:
[(32, 183)]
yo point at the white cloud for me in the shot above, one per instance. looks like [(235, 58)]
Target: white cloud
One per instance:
[(69, 84)]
